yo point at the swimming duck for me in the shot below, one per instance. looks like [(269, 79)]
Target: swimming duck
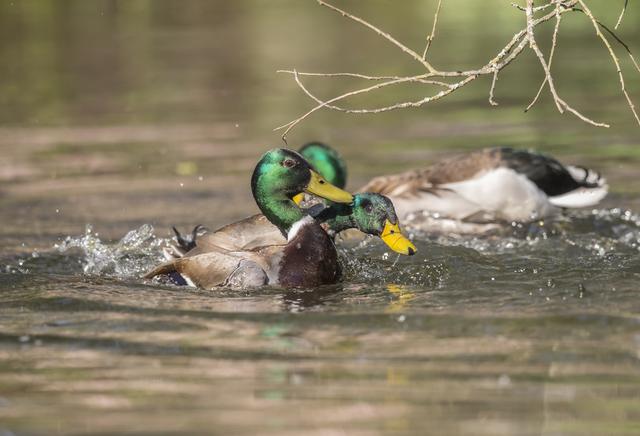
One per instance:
[(492, 185), (307, 259), (370, 213)]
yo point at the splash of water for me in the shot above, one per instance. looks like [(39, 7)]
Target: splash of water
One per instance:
[(130, 257)]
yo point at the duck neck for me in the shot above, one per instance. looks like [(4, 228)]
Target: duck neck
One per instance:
[(337, 217), (281, 211)]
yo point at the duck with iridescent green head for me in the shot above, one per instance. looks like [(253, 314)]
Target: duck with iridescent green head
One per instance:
[(373, 214), (307, 259)]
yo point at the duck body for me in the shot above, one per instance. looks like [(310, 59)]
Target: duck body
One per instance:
[(492, 185), (307, 258)]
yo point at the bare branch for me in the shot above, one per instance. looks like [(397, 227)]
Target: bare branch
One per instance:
[(419, 78), (617, 38), (535, 9), (433, 30), (624, 9), (614, 58), (554, 42), (453, 80), (385, 35), (293, 123), (560, 103), (534, 46), (492, 102), (328, 103)]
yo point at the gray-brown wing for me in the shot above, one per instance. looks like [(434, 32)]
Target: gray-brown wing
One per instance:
[(455, 169), (247, 234)]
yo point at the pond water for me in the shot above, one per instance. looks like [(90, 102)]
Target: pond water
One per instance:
[(120, 119)]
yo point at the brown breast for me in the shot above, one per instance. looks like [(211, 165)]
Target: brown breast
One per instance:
[(309, 259)]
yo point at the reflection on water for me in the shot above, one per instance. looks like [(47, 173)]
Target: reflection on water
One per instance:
[(119, 119)]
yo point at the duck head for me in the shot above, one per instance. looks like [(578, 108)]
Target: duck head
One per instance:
[(326, 161), (374, 214), (279, 176)]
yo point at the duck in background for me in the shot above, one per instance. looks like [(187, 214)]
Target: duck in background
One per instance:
[(492, 185)]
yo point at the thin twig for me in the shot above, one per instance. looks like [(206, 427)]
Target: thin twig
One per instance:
[(614, 58), (291, 124), (385, 35), (492, 102), (421, 78), (617, 38), (535, 9), (534, 46), (554, 42), (433, 31), (624, 8), (560, 103)]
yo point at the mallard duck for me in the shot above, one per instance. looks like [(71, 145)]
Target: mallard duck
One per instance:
[(308, 258), (492, 185), (370, 213), (326, 161)]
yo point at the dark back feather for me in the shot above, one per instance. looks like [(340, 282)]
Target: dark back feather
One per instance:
[(548, 174)]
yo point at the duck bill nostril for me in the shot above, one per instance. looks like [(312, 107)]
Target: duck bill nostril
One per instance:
[(393, 237)]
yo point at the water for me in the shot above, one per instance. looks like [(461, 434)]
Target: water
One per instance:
[(119, 120)]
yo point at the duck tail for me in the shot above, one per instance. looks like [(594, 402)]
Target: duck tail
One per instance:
[(591, 190)]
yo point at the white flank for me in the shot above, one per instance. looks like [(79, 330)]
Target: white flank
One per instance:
[(505, 193), (295, 228)]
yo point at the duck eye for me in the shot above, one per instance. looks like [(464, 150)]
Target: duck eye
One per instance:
[(288, 163), (367, 206)]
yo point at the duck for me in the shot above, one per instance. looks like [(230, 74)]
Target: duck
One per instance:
[(499, 184), (370, 213), (307, 259), (326, 161)]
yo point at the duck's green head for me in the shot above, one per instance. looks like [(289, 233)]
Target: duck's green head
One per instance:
[(326, 161), (374, 214), (279, 176)]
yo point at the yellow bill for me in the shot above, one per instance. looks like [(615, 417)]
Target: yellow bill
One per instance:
[(297, 199), (320, 187), (393, 237)]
